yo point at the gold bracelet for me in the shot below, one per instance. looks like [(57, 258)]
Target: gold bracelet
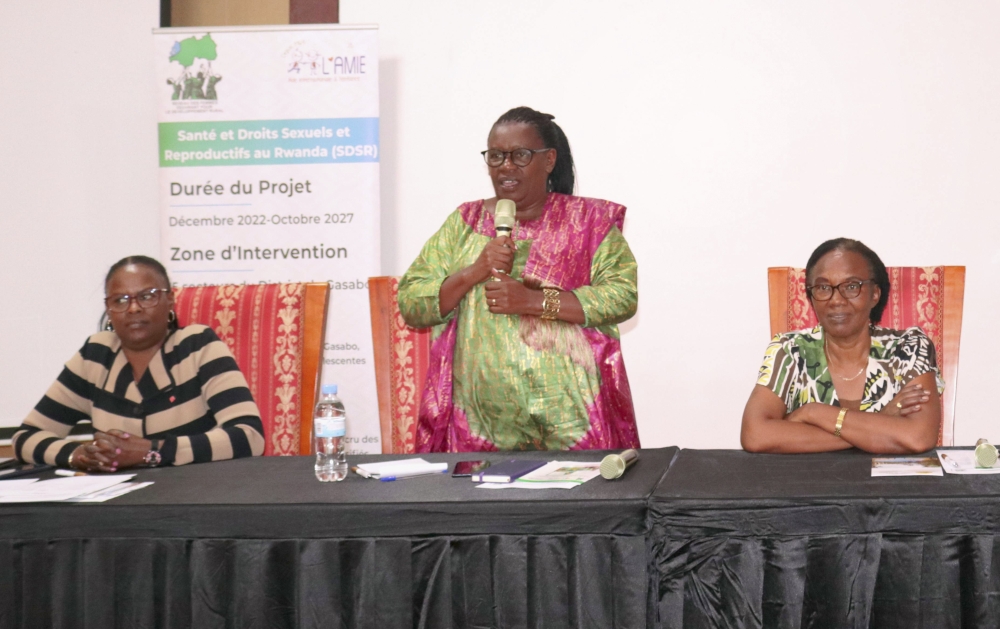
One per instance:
[(69, 462), (550, 304), (840, 422)]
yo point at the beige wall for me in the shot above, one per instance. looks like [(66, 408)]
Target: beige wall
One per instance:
[(740, 135)]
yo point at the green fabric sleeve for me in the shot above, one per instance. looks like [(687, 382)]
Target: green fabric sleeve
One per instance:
[(420, 287), (613, 294)]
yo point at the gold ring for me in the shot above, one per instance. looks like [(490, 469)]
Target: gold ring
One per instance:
[(899, 405)]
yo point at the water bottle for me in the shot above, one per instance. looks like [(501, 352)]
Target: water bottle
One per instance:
[(329, 426)]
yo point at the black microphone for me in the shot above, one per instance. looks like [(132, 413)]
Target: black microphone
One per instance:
[(503, 218), (614, 465)]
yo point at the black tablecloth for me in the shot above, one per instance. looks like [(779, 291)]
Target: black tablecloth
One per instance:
[(261, 543), (743, 540)]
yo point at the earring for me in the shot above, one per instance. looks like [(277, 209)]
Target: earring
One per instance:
[(108, 327), (171, 317)]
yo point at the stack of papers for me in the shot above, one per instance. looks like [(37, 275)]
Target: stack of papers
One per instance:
[(964, 462), (71, 489), (906, 466), (553, 475), (392, 470)]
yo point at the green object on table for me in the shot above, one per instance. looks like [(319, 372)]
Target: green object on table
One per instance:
[(986, 454)]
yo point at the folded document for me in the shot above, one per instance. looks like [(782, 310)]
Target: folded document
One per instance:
[(553, 475), (400, 469)]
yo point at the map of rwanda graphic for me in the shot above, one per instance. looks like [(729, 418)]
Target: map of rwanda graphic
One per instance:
[(196, 80)]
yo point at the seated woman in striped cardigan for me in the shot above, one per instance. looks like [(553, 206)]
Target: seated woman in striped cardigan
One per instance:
[(156, 394)]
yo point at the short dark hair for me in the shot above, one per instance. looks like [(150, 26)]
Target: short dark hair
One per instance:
[(563, 176), (145, 261), (879, 275)]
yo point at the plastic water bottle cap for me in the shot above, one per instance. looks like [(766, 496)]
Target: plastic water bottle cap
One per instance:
[(329, 389)]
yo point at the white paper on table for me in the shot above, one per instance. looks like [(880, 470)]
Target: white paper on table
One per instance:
[(403, 467), (552, 475), (964, 462), (60, 489), (114, 491), (7, 486), (516, 485)]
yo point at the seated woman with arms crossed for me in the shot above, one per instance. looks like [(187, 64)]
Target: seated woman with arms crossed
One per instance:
[(846, 382), (156, 394)]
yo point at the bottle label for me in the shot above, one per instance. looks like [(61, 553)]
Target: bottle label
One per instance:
[(330, 426)]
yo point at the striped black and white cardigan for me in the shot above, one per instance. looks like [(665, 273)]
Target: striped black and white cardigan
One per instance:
[(193, 396)]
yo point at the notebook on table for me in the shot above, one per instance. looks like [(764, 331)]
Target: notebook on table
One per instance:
[(506, 472)]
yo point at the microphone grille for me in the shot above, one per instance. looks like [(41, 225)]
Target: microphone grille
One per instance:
[(505, 212), (612, 467), (986, 454)]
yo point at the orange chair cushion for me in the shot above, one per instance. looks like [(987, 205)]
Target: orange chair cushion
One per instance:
[(411, 348), (262, 325)]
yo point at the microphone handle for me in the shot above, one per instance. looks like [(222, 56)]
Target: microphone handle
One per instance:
[(614, 465)]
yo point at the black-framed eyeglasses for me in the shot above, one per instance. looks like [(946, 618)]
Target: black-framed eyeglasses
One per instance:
[(520, 157), (849, 289), (149, 298)]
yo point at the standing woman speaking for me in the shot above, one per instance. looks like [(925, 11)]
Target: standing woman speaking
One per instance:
[(526, 352)]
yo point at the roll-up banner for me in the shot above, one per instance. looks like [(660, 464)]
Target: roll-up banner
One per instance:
[(269, 172)]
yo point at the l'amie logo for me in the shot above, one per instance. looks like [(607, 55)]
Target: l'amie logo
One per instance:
[(308, 62)]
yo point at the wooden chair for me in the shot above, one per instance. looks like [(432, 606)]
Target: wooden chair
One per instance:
[(928, 297), (276, 333), (401, 355)]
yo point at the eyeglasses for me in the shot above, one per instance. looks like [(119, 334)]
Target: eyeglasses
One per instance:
[(146, 299), (850, 290), (520, 157)]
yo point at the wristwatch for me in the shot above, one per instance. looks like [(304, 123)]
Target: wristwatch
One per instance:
[(153, 457)]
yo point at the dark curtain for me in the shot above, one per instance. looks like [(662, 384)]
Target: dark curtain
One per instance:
[(864, 580), (597, 581)]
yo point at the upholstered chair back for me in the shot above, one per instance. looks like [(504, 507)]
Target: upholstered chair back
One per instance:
[(401, 355), (275, 331)]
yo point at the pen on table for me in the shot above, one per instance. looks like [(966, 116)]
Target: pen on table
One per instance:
[(947, 459), (69, 473), (399, 475), (360, 472)]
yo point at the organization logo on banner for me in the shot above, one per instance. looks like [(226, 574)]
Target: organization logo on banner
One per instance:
[(307, 64), (194, 88)]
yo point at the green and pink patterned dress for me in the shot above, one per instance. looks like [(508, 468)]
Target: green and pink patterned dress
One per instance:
[(508, 382)]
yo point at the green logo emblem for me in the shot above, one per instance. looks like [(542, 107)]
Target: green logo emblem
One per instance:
[(196, 81)]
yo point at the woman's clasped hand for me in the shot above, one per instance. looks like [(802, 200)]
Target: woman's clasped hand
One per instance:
[(508, 296), (111, 451), (497, 257)]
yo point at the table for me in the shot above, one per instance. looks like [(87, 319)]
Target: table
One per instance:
[(260, 543), (751, 540)]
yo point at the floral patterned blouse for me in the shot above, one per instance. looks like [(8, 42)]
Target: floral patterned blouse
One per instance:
[(795, 367)]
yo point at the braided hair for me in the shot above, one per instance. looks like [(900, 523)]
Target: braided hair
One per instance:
[(563, 176)]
